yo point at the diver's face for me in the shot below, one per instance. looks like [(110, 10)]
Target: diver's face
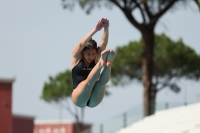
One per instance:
[(89, 55)]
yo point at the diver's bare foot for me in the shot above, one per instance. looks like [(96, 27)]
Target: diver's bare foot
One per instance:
[(104, 55), (110, 57)]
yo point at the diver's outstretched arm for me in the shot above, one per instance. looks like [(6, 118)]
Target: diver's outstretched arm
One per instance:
[(104, 39), (79, 47)]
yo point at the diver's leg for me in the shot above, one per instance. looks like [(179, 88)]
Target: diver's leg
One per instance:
[(82, 92), (99, 88)]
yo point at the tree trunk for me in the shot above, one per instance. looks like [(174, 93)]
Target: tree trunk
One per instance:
[(147, 67)]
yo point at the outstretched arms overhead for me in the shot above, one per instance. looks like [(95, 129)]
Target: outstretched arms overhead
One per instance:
[(104, 40), (79, 47)]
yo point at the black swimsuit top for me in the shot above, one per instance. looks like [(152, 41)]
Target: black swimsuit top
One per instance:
[(80, 72)]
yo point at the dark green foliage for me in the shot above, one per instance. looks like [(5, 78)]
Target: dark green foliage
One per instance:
[(58, 87), (127, 64), (174, 88), (172, 60), (175, 59)]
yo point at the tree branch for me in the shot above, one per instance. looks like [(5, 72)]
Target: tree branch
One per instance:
[(147, 10), (125, 3), (76, 110), (116, 3), (156, 78), (69, 110), (198, 3), (143, 16), (164, 10), (128, 14), (166, 83), (163, 86)]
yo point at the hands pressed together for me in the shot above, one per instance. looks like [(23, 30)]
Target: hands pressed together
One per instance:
[(104, 22)]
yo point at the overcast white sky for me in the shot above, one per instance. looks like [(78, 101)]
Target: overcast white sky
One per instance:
[(36, 40)]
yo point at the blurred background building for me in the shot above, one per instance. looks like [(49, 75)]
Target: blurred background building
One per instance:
[(60, 126), (13, 123)]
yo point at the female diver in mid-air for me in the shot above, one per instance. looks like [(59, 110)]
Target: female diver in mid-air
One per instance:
[(87, 61)]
